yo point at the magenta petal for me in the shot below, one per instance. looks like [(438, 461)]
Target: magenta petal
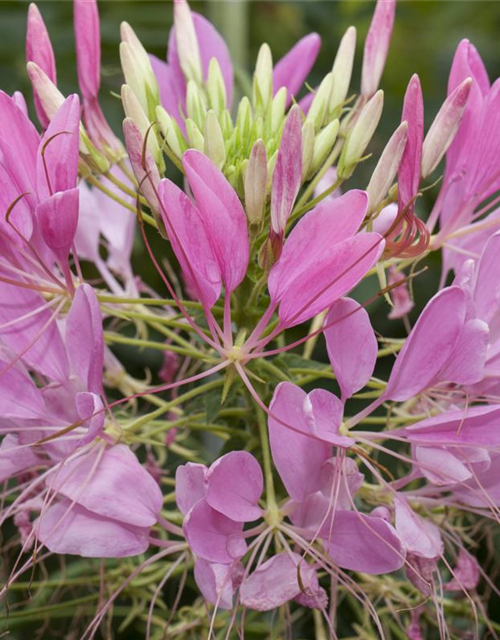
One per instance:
[(351, 344), (287, 175), (172, 96), (326, 276), (363, 543), (466, 574), (411, 163), (297, 457), (466, 363), (98, 485), (276, 581), (66, 528), (429, 345), (487, 281), (440, 466), (222, 214), (215, 583), (85, 340), (190, 485), (58, 153), (213, 536), (58, 220), (15, 458), (190, 242), (294, 67), (483, 491), (88, 46), (235, 484)]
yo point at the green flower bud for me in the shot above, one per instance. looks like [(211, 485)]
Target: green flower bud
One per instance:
[(324, 143), (278, 109), (256, 183), (321, 102), (171, 132), (216, 87), (263, 79), (196, 106), (214, 146), (308, 137), (195, 137), (342, 68)]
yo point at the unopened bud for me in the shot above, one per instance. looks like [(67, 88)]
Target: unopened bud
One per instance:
[(226, 124), (187, 42), (278, 110), (444, 127), (321, 102), (256, 183), (377, 46), (244, 118), (138, 71), (48, 94), (171, 132), (263, 79), (195, 136), (324, 143), (360, 135), (216, 87), (214, 147), (342, 68), (308, 138), (133, 110), (387, 167), (195, 104)]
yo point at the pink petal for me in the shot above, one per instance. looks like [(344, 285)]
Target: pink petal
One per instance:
[(19, 397), (35, 337), (377, 46), (466, 574), (172, 96), (88, 46), (215, 583), (467, 361), (420, 536), (190, 242), (429, 345), (487, 281), (190, 485), (351, 344), (363, 543), (287, 176), (98, 485), (235, 484), (276, 581), (58, 153), (15, 458), (440, 466), (58, 220), (213, 536), (85, 340), (292, 70), (411, 162), (91, 409), (222, 214), (66, 528)]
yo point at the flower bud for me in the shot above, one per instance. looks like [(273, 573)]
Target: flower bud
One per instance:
[(377, 46), (187, 42), (321, 102), (216, 87), (444, 127), (308, 138), (360, 135), (342, 68), (46, 92), (39, 50), (226, 124), (278, 109), (387, 167), (135, 112), (138, 71), (171, 132), (263, 79), (214, 146), (324, 143), (195, 136), (256, 183), (244, 118), (195, 104), (88, 47)]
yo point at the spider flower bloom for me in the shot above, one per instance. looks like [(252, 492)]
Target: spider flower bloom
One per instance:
[(39, 50), (377, 46)]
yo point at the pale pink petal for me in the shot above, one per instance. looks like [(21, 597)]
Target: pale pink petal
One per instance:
[(88, 46), (15, 459), (411, 162), (57, 217), (466, 573), (213, 536), (71, 529), (420, 536), (351, 344), (377, 46), (190, 485), (39, 50), (235, 484), (215, 583)]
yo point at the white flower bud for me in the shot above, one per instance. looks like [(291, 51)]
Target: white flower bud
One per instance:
[(324, 143), (263, 79), (171, 132), (256, 183), (214, 146), (321, 102), (195, 137), (187, 42), (215, 87), (342, 68)]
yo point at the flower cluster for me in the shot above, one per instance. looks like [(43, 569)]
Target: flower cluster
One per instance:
[(246, 469)]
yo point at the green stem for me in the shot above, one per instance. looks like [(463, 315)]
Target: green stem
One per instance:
[(272, 506)]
